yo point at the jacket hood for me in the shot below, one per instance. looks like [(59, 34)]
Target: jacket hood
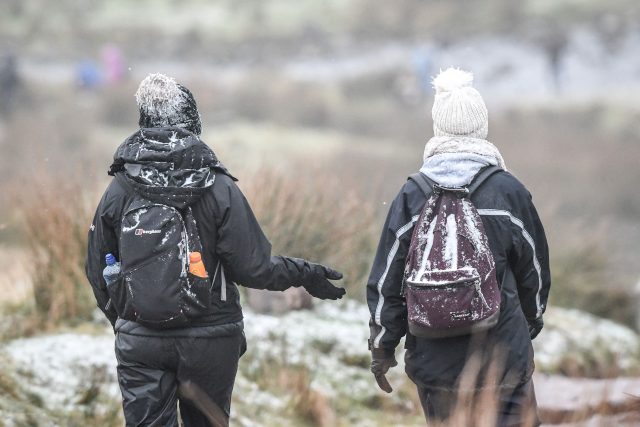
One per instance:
[(168, 165)]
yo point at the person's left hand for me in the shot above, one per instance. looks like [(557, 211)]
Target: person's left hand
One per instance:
[(381, 362), (535, 326)]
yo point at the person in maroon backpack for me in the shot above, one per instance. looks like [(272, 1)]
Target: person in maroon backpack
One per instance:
[(457, 154)]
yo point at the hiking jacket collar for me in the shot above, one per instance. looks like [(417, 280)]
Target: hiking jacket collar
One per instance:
[(168, 165)]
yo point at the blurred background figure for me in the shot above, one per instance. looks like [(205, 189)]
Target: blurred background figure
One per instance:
[(554, 44), (88, 74), (9, 83), (422, 61), (113, 64)]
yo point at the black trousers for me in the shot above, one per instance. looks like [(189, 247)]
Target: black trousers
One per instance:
[(517, 407), (156, 374)]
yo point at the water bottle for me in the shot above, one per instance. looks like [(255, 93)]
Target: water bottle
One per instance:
[(111, 271)]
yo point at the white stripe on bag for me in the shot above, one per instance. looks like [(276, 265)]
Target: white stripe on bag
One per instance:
[(223, 291), (392, 254), (529, 239)]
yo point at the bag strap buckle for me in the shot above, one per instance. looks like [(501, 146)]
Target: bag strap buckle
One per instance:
[(460, 192)]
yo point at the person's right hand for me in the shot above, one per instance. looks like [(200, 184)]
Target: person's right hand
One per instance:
[(319, 286)]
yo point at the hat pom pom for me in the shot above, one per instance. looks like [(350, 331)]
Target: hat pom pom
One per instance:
[(452, 79)]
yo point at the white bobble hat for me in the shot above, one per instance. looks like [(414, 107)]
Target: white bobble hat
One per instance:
[(458, 108)]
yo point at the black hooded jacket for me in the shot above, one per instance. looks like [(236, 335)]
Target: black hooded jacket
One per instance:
[(174, 167), (518, 243)]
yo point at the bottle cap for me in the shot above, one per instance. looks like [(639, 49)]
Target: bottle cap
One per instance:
[(195, 257), (110, 259)]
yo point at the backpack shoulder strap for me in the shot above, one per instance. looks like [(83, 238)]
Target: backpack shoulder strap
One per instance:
[(423, 182), (481, 177)]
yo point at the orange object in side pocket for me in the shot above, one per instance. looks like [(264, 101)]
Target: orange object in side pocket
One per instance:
[(196, 266)]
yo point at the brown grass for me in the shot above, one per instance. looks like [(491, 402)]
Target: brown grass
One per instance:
[(54, 215), (318, 220), (581, 279), (306, 403), (15, 286), (306, 221)]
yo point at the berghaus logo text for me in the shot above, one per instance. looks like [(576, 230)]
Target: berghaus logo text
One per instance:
[(140, 231)]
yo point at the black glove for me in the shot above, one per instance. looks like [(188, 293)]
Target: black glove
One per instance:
[(381, 361), (318, 285), (535, 326)]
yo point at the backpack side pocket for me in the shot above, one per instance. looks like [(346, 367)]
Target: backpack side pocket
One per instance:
[(120, 297), (196, 295)]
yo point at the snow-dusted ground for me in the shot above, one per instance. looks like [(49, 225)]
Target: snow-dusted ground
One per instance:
[(559, 396), (574, 335), (57, 367), (330, 342)]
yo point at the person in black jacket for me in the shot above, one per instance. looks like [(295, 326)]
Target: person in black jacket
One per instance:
[(452, 158), (166, 162)]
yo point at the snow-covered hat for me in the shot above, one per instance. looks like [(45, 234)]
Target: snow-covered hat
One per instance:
[(164, 102), (458, 108)]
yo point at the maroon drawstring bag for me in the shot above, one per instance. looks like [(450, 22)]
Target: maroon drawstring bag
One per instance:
[(450, 282)]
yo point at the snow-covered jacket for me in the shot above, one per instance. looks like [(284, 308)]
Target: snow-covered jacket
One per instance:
[(518, 243), (174, 167)]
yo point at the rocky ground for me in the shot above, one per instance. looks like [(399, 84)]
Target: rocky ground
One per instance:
[(310, 367)]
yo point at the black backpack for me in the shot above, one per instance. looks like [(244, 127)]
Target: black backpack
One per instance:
[(155, 287)]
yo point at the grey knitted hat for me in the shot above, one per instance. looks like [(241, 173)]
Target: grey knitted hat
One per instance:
[(458, 108), (164, 102)]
